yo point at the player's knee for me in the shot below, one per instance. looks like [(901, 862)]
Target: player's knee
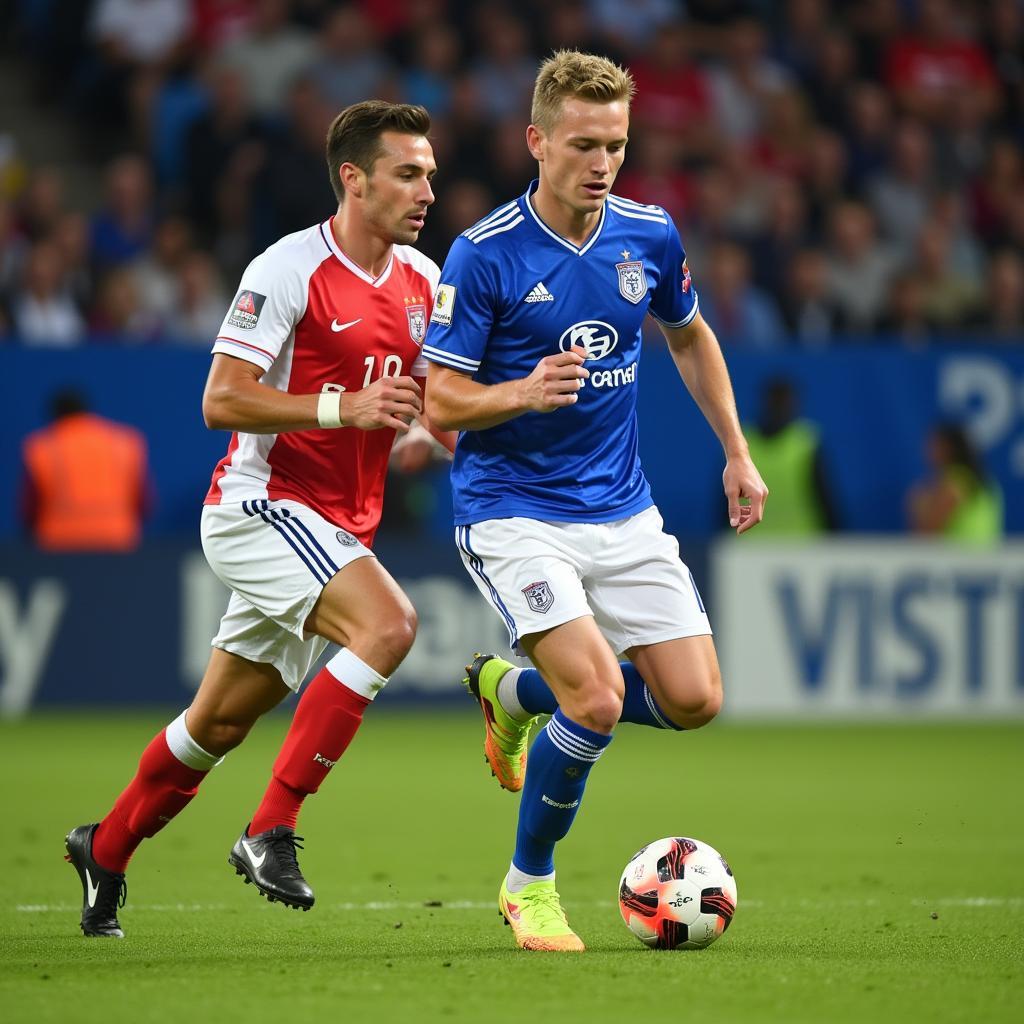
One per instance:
[(393, 639), (698, 703), (217, 734), (598, 709)]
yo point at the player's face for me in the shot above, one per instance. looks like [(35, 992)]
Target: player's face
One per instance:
[(398, 192), (583, 153)]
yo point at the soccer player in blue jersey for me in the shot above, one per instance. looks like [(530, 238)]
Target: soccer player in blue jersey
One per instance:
[(535, 348)]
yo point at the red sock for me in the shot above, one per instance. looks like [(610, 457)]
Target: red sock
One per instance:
[(328, 716), (162, 787)]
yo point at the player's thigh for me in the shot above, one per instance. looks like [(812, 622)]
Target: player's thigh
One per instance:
[(278, 556), (684, 677), (581, 670), (641, 591), (233, 694), (530, 572), (364, 609)]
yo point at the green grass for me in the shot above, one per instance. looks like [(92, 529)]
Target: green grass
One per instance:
[(846, 843)]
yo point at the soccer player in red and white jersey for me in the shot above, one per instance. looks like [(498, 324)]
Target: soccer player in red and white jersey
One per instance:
[(316, 368)]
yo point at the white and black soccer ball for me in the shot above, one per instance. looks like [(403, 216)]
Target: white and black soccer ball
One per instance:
[(677, 893)]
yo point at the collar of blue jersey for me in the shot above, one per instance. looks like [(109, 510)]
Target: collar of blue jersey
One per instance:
[(579, 250)]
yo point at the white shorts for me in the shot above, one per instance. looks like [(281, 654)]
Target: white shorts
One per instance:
[(277, 557), (627, 574)]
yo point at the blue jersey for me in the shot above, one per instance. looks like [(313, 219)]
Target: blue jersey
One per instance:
[(512, 291)]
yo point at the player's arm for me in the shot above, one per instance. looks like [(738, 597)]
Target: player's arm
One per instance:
[(235, 399), (698, 358), (454, 401)]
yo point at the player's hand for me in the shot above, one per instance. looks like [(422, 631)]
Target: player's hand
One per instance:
[(415, 451), (389, 402), (742, 481), (555, 381)]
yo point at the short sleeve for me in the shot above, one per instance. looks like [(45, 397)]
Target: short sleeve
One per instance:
[(271, 300), (464, 305), (674, 301)]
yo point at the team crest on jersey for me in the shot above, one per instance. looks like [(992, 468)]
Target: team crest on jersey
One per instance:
[(538, 596), (632, 280), (245, 313), (346, 538), (687, 283), (417, 315)]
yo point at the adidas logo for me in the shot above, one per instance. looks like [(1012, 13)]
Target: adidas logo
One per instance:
[(539, 293)]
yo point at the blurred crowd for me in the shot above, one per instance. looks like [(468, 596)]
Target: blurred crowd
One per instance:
[(837, 170)]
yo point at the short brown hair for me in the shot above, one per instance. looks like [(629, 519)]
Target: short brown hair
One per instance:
[(354, 135), (583, 75)]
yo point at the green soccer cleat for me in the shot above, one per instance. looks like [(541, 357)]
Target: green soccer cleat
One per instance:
[(505, 739), (537, 919)]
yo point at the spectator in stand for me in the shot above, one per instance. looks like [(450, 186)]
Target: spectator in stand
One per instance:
[(42, 205), (351, 64), (86, 485), (569, 25), (1004, 43), (503, 68), (136, 42), (653, 175), (868, 131), (958, 499), (673, 94), (994, 192), (269, 54), (71, 237), (227, 141), (906, 317), (743, 315), (630, 27), (799, 35), (435, 63), (511, 166), (43, 313), (200, 303), (833, 76), (948, 297), (711, 218), (13, 249), (742, 85), (826, 180), (784, 235), (937, 61), (156, 271), (808, 312), (123, 228), (860, 268), (292, 192), (118, 316), (901, 195), (466, 201), (784, 146), (1001, 314)]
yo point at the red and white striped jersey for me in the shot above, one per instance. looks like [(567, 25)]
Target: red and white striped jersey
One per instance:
[(310, 317)]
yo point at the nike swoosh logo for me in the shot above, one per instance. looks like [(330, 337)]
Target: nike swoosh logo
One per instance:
[(335, 326), (92, 888), (256, 861)]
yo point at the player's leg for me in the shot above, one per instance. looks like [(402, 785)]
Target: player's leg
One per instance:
[(522, 693), (585, 677), (684, 677), (233, 694), (364, 610)]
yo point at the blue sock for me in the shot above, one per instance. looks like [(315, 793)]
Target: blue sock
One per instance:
[(560, 761), (638, 707)]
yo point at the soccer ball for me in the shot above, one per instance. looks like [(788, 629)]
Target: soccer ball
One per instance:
[(677, 894)]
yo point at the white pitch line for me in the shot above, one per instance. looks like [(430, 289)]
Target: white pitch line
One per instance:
[(968, 903)]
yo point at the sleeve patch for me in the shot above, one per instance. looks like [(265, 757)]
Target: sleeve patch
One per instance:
[(444, 305), (245, 313)]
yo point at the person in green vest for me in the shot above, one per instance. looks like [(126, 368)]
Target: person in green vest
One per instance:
[(959, 500), (787, 450)]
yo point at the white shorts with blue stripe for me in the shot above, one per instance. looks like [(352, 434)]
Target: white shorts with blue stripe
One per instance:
[(276, 557), (627, 574)]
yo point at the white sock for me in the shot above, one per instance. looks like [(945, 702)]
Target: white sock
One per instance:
[(185, 749), (508, 696), (515, 880)]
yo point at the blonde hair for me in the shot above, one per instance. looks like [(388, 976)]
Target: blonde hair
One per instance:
[(583, 75)]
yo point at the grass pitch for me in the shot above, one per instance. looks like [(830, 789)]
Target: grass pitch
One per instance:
[(879, 872)]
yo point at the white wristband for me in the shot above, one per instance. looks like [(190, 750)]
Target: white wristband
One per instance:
[(328, 409)]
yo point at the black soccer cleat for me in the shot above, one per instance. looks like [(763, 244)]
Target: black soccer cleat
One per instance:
[(103, 891), (269, 861)]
